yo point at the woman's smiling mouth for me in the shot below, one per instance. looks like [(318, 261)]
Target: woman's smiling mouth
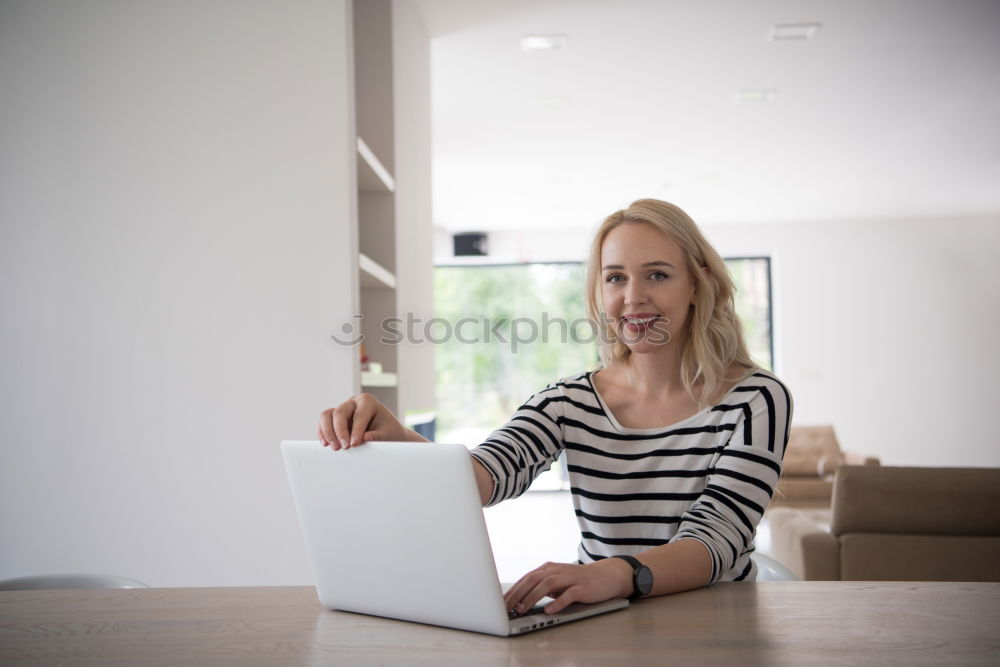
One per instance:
[(637, 322)]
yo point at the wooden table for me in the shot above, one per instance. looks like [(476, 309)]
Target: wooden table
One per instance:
[(774, 623)]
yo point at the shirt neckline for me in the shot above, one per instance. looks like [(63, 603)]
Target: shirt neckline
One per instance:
[(656, 429)]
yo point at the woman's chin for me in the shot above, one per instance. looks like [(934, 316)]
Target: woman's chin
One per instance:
[(646, 347), (644, 342)]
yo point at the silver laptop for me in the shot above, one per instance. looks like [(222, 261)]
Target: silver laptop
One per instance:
[(396, 529)]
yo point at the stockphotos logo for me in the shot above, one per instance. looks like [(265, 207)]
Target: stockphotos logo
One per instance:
[(515, 332)]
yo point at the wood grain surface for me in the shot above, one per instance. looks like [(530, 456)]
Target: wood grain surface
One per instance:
[(773, 623)]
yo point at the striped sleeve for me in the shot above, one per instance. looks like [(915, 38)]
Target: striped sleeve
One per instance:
[(526, 446), (742, 480)]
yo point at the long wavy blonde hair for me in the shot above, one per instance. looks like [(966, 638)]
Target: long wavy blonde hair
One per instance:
[(714, 336)]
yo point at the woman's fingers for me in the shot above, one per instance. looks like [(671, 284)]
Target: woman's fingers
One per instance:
[(516, 592), (567, 583), (343, 415), (358, 420), (365, 410), (327, 432), (551, 585), (350, 423), (568, 597), (517, 596)]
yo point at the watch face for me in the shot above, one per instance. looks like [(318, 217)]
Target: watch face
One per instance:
[(644, 580)]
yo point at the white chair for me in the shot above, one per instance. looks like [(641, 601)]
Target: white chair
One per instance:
[(769, 569), (63, 581)]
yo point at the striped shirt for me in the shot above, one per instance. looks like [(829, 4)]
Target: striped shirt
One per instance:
[(708, 477)]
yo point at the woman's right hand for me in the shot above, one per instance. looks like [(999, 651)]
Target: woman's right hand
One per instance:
[(360, 419)]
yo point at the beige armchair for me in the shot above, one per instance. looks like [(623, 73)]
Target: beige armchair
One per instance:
[(897, 524), (812, 456)]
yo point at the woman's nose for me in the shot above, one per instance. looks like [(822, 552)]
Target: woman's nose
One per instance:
[(635, 293)]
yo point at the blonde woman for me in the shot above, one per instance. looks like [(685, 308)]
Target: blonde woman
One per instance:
[(674, 445)]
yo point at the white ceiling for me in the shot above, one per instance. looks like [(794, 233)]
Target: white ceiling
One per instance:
[(891, 110)]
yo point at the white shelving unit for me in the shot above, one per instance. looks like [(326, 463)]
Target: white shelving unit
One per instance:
[(374, 275), (375, 138), (372, 174), (392, 233), (373, 380)]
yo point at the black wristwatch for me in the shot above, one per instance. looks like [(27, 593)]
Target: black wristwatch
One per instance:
[(642, 578)]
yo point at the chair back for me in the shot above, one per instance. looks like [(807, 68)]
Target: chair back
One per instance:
[(67, 581), (768, 569)]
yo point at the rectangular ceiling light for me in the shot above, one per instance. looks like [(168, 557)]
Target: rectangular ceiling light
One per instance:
[(752, 96), (784, 31), (530, 43)]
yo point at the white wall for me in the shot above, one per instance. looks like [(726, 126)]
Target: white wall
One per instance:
[(174, 198), (887, 330)]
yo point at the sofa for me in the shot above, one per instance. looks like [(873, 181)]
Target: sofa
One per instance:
[(896, 524), (812, 456)]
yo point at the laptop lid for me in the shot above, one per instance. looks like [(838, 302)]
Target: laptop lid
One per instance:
[(396, 529)]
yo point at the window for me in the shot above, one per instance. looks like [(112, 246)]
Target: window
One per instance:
[(510, 337), (752, 277), (507, 331)]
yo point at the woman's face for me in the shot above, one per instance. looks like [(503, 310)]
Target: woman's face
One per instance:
[(646, 286)]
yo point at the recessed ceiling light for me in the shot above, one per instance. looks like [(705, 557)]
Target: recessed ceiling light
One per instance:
[(755, 95), (531, 43), (786, 31)]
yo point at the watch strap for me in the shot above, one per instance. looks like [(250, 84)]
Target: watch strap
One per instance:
[(634, 562)]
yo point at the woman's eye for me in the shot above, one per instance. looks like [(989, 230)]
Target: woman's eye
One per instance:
[(658, 275), (615, 278)]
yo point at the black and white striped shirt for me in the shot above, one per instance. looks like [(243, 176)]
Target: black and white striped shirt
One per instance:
[(708, 477)]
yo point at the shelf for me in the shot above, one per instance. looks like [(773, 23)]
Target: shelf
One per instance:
[(372, 174), (374, 274), (378, 379)]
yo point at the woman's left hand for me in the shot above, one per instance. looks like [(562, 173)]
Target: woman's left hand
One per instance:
[(566, 583)]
